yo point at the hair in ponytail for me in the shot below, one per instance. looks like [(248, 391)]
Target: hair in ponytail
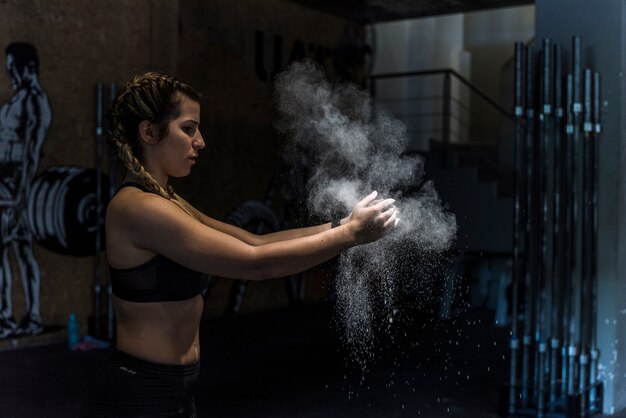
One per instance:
[(150, 96)]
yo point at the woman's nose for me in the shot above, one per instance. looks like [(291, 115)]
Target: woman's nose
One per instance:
[(199, 142)]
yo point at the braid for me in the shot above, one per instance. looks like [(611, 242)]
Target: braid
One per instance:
[(149, 96)]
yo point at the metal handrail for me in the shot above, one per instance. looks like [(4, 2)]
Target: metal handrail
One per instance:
[(446, 113), (458, 76)]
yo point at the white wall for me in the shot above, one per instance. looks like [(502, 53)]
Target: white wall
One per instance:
[(476, 45), (418, 44), (489, 37), (414, 45)]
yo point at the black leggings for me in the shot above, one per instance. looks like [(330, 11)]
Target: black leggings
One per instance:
[(132, 387)]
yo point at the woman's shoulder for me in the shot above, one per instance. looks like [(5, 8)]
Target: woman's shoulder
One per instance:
[(132, 208), (131, 194), (127, 220), (130, 203)]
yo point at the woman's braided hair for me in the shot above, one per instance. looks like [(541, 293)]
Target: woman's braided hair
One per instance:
[(150, 96)]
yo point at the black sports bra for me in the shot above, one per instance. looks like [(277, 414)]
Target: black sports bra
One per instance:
[(157, 280)]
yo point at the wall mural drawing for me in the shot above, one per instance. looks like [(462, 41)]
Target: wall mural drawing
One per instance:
[(24, 122)]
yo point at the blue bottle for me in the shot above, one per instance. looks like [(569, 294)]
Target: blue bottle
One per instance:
[(73, 337)]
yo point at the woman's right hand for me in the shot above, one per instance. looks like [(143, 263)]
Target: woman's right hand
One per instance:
[(372, 219)]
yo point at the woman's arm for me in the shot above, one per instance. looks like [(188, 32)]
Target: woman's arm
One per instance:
[(158, 225), (255, 239)]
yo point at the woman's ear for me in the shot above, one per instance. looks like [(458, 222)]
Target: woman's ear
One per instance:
[(147, 132)]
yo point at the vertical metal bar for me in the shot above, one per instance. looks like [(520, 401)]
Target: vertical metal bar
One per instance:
[(594, 352), (576, 227), (112, 187), (544, 233), (557, 239), (568, 252), (97, 285), (518, 222), (585, 242), (530, 226), (446, 111), (372, 87)]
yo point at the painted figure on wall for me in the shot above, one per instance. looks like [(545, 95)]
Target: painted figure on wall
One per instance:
[(24, 122)]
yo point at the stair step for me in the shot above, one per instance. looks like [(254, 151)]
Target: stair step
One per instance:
[(476, 157), (494, 174), (505, 191), (480, 155), (467, 154), (504, 179)]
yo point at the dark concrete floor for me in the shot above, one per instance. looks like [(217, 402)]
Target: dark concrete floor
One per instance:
[(290, 363)]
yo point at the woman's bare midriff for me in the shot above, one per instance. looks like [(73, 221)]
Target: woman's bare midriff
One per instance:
[(162, 332)]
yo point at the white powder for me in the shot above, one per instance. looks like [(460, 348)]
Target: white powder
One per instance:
[(351, 148)]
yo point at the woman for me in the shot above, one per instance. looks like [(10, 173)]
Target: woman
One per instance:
[(158, 245)]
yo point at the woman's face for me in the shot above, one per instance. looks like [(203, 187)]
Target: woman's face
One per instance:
[(175, 153)]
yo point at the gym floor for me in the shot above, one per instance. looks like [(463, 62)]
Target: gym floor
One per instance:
[(290, 363)]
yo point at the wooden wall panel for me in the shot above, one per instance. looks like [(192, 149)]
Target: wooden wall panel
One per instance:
[(211, 44)]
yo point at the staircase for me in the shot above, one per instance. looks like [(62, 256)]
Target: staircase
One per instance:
[(477, 192), (466, 140)]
